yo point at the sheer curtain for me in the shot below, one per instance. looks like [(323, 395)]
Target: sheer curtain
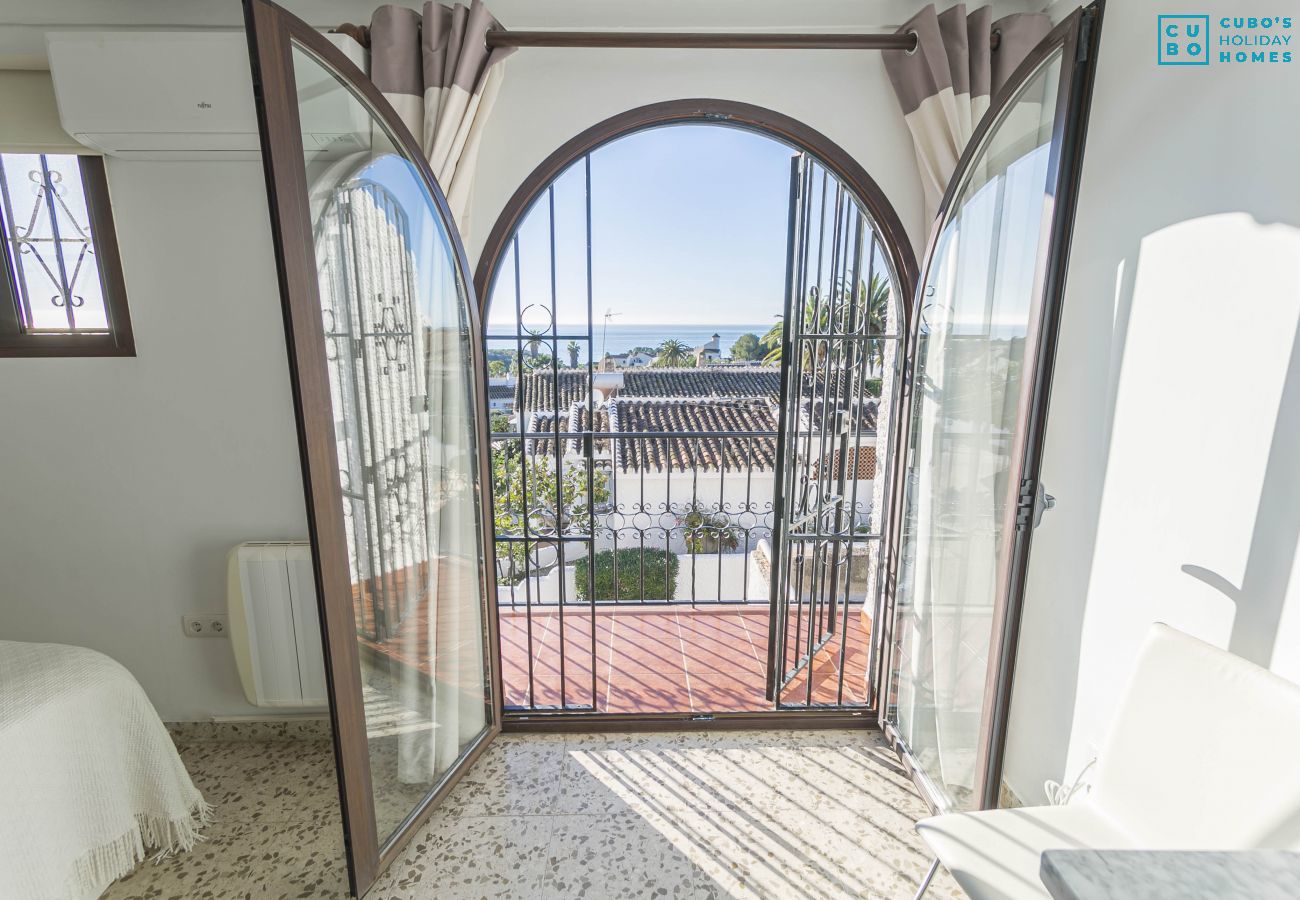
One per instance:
[(454, 700), (977, 309), (399, 345)]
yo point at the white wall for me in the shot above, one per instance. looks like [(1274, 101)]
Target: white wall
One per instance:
[(126, 481), (1174, 441), (549, 96)]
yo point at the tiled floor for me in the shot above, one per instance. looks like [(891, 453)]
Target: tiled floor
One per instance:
[(674, 815), (665, 660)]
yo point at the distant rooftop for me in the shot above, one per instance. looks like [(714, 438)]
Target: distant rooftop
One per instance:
[(537, 390), (699, 418), (710, 381)]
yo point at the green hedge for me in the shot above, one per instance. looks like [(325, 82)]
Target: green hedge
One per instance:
[(660, 568)]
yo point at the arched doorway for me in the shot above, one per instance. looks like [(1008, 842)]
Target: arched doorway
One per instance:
[(669, 506)]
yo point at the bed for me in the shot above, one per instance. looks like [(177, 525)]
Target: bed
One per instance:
[(90, 781)]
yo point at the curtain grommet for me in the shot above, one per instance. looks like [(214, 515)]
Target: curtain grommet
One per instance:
[(917, 46)]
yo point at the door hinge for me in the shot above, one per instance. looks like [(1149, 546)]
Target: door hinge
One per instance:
[(1032, 503), (1089, 18)]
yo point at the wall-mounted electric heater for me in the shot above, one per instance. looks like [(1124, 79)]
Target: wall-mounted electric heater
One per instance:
[(275, 624)]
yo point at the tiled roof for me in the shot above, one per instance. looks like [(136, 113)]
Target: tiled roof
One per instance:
[(537, 389), (501, 391), (698, 417), (710, 381), (574, 421), (812, 412)]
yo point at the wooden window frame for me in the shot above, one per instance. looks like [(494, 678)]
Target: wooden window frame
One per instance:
[(119, 340)]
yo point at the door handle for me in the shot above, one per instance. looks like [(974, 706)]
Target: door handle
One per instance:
[(1043, 501)]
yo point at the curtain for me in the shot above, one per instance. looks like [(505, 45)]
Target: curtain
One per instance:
[(451, 624), (945, 84), (435, 68), (399, 346)]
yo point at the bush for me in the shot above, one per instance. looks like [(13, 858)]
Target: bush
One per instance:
[(659, 566)]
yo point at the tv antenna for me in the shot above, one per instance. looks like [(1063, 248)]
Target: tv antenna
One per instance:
[(604, 336)]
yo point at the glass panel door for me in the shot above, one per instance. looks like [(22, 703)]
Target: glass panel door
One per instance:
[(985, 329), (386, 352)]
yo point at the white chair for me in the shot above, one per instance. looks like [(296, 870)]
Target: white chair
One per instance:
[(1204, 754)]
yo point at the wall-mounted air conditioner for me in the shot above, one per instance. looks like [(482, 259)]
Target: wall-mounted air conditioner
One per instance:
[(275, 624), (187, 95)]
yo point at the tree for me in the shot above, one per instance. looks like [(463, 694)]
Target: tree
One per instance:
[(746, 347), (574, 348), (771, 342), (877, 308), (498, 369), (548, 511), (842, 312), (673, 353), (537, 363), (499, 422)]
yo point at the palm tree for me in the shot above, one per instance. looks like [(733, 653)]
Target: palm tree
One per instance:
[(772, 342), (673, 353), (533, 346), (872, 302), (573, 349), (877, 297)]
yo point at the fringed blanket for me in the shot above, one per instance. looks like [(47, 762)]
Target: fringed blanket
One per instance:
[(89, 778)]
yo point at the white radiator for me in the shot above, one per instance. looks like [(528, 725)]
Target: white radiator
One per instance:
[(275, 624)]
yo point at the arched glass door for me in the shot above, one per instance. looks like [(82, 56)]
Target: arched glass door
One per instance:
[(385, 354), (650, 583), (986, 318)]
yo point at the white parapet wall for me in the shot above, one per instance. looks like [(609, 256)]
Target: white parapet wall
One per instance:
[(729, 577)]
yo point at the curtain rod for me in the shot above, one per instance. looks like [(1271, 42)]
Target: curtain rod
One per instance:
[(680, 40), (673, 40)]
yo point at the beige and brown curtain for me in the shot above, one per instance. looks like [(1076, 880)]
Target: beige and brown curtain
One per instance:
[(945, 84), (434, 66)]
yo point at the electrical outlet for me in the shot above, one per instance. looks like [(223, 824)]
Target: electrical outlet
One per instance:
[(209, 625)]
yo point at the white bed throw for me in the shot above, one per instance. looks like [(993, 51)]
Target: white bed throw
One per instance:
[(89, 777)]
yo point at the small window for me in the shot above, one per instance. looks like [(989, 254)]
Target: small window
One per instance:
[(61, 288)]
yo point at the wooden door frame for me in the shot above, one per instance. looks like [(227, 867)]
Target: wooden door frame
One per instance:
[(272, 35), (893, 237), (1077, 36)]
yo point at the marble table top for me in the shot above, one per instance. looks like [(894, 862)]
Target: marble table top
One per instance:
[(1171, 874)]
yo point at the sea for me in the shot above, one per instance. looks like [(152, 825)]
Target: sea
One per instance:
[(621, 337)]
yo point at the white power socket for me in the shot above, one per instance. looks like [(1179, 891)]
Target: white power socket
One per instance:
[(209, 625)]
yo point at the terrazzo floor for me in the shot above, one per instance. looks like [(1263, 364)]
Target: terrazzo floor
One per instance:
[(760, 814)]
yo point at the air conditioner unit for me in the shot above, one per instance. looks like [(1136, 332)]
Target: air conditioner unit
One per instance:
[(275, 624), (188, 95)]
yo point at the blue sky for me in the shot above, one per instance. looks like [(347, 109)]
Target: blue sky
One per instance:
[(688, 226)]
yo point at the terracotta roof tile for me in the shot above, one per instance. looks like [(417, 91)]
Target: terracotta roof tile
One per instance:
[(698, 417), (574, 422), (537, 390), (710, 381)]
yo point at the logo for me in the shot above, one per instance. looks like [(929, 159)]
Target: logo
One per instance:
[(1183, 40)]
